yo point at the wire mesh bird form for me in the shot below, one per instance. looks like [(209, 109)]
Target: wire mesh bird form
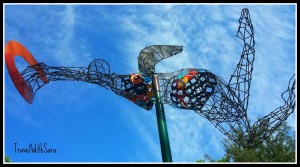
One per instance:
[(223, 103)]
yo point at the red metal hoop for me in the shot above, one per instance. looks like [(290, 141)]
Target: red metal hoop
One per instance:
[(13, 49)]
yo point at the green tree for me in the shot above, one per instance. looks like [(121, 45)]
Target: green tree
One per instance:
[(279, 147), (7, 159), (208, 158)]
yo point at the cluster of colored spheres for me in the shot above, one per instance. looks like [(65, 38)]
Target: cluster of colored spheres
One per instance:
[(138, 89), (190, 89)]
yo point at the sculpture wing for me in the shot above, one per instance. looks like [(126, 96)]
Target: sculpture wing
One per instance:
[(151, 55)]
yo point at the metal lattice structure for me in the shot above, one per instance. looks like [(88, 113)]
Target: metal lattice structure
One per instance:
[(223, 104)]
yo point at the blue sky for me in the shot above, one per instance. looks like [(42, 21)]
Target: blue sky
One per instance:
[(87, 123)]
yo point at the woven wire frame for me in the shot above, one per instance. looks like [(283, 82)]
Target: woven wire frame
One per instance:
[(223, 104)]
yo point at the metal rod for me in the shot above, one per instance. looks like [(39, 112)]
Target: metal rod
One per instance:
[(162, 124)]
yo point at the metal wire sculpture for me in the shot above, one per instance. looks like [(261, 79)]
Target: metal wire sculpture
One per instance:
[(223, 104)]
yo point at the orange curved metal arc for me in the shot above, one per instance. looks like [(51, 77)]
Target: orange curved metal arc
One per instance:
[(13, 49)]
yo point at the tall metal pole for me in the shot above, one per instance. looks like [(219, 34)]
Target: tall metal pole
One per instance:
[(162, 125)]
